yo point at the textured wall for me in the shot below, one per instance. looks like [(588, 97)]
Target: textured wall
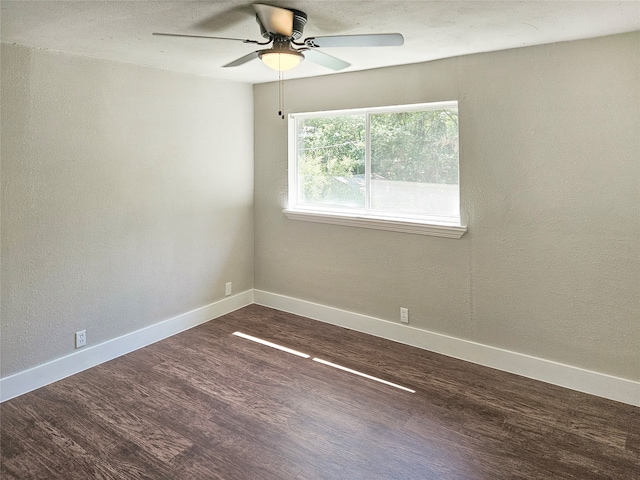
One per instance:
[(550, 191), (127, 199)]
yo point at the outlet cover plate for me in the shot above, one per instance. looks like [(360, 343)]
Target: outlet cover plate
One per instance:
[(81, 338)]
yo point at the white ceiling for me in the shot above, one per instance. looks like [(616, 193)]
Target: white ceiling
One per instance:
[(121, 30)]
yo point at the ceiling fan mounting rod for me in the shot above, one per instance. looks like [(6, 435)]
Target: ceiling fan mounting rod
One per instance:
[(282, 43)]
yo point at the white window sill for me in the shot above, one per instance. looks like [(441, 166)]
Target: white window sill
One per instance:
[(379, 223)]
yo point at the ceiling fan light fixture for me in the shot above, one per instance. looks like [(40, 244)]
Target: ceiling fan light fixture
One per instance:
[(281, 60)]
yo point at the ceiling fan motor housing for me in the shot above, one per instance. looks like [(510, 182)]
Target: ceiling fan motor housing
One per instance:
[(299, 21)]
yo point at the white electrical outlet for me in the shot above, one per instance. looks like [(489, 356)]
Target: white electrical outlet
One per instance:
[(404, 315), (81, 338), (227, 289)]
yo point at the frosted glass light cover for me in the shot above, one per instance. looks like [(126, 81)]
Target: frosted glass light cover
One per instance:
[(281, 61)]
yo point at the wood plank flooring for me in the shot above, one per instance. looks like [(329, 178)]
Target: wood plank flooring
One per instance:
[(206, 404)]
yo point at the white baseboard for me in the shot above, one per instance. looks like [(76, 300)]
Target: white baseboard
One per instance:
[(574, 378), (594, 383), (28, 380)]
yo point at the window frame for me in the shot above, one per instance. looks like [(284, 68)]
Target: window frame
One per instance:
[(415, 224)]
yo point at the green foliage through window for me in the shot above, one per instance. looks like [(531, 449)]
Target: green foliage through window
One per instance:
[(415, 146), (407, 165)]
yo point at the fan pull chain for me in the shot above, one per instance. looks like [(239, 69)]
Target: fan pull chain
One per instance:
[(282, 97), (281, 94), (280, 89)]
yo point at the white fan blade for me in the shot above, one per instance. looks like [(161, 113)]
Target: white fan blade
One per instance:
[(202, 36), (376, 40), (325, 60), (242, 60)]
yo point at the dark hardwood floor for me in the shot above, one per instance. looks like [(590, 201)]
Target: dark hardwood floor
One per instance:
[(206, 404)]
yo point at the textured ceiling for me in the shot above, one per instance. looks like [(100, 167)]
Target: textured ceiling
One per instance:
[(121, 30)]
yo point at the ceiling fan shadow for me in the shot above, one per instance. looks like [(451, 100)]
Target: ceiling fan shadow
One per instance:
[(225, 19)]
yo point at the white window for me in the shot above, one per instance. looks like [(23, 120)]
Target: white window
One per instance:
[(391, 168)]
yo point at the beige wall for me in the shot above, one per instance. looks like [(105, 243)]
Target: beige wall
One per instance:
[(550, 191), (127, 199)]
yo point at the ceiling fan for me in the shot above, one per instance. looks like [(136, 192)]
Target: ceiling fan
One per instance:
[(282, 27)]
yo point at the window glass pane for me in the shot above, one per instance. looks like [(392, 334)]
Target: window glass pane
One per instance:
[(414, 163), (331, 161)]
